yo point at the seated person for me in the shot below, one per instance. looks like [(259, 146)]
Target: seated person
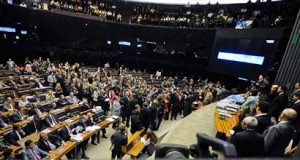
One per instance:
[(13, 94), (65, 134), (9, 104), (15, 135), (18, 115), (50, 97), (248, 143), (54, 106), (51, 119), (85, 105), (34, 110), (80, 127), (48, 142), (4, 122), (72, 98), (9, 154), (34, 126), (10, 82), (62, 101), (36, 98), (33, 152), (23, 102)]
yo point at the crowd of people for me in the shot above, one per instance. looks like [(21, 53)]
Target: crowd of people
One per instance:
[(104, 10), (269, 118), (218, 16), (269, 121), (142, 100)]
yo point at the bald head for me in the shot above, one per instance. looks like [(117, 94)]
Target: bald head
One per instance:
[(288, 115), (249, 122)]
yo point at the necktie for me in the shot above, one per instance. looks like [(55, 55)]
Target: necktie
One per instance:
[(53, 120), (35, 155), (50, 145), (20, 114), (3, 123), (38, 112), (18, 134), (35, 126), (69, 130)]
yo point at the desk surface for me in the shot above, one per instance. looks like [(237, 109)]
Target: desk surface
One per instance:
[(137, 147), (62, 150), (225, 124)]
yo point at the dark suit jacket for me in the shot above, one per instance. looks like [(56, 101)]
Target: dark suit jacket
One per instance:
[(30, 127), (53, 139), (278, 105), (248, 143), (277, 138), (64, 134), (62, 102), (145, 116), (35, 99), (136, 124), (264, 121), (31, 111), (13, 137), (118, 139), (296, 122), (16, 117), (48, 120), (5, 120)]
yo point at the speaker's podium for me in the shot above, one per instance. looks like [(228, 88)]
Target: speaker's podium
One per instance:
[(226, 116)]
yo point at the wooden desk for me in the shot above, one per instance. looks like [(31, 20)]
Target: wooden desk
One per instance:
[(62, 150), (225, 124), (137, 147), (135, 143), (34, 137)]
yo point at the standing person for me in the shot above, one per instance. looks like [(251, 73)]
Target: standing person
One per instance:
[(116, 110), (136, 124), (125, 109), (175, 105), (96, 95), (296, 107), (119, 142), (248, 142), (278, 137), (154, 114), (279, 102)]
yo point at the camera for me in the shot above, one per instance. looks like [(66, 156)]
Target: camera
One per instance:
[(199, 150)]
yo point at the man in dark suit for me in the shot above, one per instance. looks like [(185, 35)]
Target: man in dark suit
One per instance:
[(85, 105), (34, 126), (248, 143), (51, 119), (62, 101), (145, 117), (279, 103), (34, 110), (4, 122), (15, 135), (18, 115), (175, 102), (49, 142), (125, 109), (296, 107), (35, 98), (83, 123), (278, 137), (136, 124), (119, 142), (263, 119), (273, 93)]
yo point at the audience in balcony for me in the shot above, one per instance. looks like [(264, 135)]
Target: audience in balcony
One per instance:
[(217, 16)]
